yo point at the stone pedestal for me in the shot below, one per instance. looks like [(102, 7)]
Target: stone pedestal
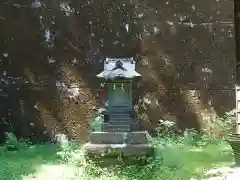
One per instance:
[(119, 144), (234, 141)]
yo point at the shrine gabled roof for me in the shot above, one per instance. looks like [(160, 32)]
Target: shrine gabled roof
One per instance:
[(119, 68)]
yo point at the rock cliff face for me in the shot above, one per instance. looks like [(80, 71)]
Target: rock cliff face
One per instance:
[(188, 56), (50, 52)]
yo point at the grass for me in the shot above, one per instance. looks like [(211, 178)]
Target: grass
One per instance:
[(18, 164), (179, 159)]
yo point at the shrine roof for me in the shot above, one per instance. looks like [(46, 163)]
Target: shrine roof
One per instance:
[(119, 68)]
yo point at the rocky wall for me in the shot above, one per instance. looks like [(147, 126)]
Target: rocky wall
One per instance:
[(185, 51)]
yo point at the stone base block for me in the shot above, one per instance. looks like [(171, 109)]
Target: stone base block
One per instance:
[(120, 126), (140, 137), (120, 143), (119, 149)]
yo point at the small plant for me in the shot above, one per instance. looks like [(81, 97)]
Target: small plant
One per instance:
[(191, 137), (65, 150), (166, 128), (227, 122), (222, 126), (96, 125), (71, 151), (13, 144)]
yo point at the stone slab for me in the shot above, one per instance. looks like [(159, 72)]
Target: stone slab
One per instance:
[(117, 130), (137, 138), (116, 127), (133, 125), (140, 137), (106, 138), (119, 149)]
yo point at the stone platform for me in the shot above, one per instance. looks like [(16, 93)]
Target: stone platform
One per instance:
[(119, 143)]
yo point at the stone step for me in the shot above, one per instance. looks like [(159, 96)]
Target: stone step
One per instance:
[(140, 137), (121, 122), (123, 116), (133, 125), (119, 110), (116, 128), (119, 115), (113, 129), (120, 119)]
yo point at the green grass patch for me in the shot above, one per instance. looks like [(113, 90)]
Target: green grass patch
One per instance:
[(175, 159)]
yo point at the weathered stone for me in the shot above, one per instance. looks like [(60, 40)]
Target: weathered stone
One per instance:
[(138, 150), (119, 138), (119, 149), (133, 126), (119, 143), (137, 138), (107, 138), (116, 128)]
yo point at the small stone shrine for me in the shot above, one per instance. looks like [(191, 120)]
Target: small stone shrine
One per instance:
[(120, 131), (234, 138)]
